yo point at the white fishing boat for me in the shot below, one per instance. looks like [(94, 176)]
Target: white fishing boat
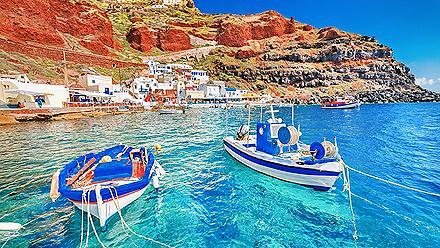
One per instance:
[(275, 150), (171, 111), (102, 184)]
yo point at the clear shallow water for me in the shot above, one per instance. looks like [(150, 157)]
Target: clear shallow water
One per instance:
[(207, 199)]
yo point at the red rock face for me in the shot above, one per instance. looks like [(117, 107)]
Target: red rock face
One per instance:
[(237, 32), (245, 53), (234, 35), (330, 33), (188, 25), (307, 27), (174, 40), (143, 39), (42, 21)]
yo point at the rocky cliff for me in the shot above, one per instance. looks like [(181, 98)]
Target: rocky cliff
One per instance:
[(53, 22), (263, 52)]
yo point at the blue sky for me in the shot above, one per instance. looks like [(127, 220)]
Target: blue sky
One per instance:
[(410, 28)]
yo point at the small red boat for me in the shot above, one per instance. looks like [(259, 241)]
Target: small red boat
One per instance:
[(347, 102)]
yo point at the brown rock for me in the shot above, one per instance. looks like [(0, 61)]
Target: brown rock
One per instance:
[(307, 28), (143, 39), (300, 38), (174, 40), (330, 33), (136, 19), (234, 35), (245, 53), (236, 31), (187, 25)]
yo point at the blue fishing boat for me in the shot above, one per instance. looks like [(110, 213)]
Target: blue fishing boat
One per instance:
[(103, 183), (274, 149)]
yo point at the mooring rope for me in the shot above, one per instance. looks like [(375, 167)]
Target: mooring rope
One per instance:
[(88, 223), (350, 200), (15, 234), (125, 223), (347, 186), (83, 196), (392, 183), (91, 220)]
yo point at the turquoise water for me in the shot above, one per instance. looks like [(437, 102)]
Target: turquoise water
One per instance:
[(207, 199)]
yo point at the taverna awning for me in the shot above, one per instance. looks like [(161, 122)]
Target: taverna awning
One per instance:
[(27, 92), (90, 94)]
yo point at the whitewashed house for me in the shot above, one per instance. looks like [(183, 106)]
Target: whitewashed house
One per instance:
[(213, 89), (157, 69), (29, 94), (179, 66), (199, 75), (142, 85), (97, 83), (235, 93)]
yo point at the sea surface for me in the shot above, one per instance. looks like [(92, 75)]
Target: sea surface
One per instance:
[(207, 199)]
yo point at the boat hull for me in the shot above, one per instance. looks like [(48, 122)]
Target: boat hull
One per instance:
[(344, 106), (319, 180), (170, 111), (107, 209), (115, 182)]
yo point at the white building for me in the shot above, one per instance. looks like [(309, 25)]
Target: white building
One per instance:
[(143, 85), (179, 66), (21, 78), (159, 69), (171, 2), (29, 94), (213, 89), (235, 93), (199, 75), (98, 83)]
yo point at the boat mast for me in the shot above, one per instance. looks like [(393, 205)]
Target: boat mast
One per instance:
[(227, 110), (293, 112), (272, 112)]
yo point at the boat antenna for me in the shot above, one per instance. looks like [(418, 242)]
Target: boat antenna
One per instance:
[(272, 112), (293, 111), (227, 119)]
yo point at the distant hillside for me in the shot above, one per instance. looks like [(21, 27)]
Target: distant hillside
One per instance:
[(265, 52)]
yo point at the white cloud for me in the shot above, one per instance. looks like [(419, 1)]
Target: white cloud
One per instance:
[(427, 81)]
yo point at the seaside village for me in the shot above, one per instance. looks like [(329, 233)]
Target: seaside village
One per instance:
[(164, 86)]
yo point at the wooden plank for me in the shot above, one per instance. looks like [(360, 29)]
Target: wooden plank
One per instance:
[(80, 172)]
